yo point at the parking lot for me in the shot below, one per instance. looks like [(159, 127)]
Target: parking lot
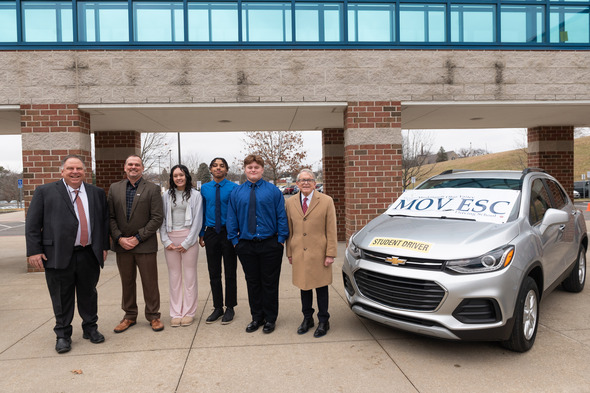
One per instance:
[(356, 355)]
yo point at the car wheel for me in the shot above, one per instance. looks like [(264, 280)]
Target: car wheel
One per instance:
[(577, 278), (526, 318)]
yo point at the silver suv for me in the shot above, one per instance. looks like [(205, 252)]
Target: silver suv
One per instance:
[(468, 256)]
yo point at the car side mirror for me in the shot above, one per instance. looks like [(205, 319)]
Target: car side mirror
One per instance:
[(553, 217)]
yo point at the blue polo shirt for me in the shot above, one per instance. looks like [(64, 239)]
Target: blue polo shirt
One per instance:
[(271, 218), (208, 193)]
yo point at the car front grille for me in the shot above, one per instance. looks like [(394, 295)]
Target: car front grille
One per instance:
[(399, 292), (416, 263)]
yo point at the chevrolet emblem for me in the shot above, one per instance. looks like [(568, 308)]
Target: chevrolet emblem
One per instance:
[(395, 261)]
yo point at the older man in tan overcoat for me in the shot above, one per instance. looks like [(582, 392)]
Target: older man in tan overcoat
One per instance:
[(311, 249)]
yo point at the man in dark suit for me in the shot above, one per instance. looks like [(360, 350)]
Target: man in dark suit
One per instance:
[(67, 234), (136, 214)]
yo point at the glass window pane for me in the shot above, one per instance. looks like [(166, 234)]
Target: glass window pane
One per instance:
[(318, 22), (371, 22), (212, 22), (157, 22), (266, 22), (522, 23), (8, 22), (569, 25), (47, 21), (421, 23), (473, 23), (103, 22)]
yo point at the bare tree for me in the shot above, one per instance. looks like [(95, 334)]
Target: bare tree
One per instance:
[(282, 151), (469, 152), (521, 143), (416, 147), (9, 184), (155, 150)]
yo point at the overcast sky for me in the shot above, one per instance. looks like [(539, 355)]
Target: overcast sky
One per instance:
[(207, 145)]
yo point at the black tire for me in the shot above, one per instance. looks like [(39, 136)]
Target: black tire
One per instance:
[(577, 278), (526, 318)]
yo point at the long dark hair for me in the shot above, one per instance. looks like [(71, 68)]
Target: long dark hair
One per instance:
[(187, 188)]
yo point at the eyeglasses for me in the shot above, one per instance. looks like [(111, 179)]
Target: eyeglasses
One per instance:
[(305, 181)]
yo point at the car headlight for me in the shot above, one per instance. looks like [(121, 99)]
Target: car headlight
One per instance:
[(489, 262), (352, 249)]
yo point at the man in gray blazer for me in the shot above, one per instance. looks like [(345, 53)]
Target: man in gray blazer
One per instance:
[(136, 214), (67, 233)]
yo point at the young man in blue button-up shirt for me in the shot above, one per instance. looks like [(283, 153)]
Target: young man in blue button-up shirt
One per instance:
[(257, 227)]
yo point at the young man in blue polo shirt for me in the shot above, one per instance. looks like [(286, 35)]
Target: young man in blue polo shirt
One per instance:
[(213, 237), (257, 227)]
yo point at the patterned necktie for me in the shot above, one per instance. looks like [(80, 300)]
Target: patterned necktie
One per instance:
[(252, 210), (217, 208), (304, 206), (83, 222)]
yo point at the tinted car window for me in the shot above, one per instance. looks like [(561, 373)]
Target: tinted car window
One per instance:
[(540, 202), (501, 184), (559, 198)]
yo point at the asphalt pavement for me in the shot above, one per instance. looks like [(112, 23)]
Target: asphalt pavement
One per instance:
[(356, 355)]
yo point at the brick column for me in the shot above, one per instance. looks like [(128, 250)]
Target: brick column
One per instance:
[(373, 160), (49, 133), (333, 165), (111, 150), (552, 148)]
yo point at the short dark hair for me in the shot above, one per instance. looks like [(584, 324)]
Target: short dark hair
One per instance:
[(219, 158), (77, 157), (134, 155)]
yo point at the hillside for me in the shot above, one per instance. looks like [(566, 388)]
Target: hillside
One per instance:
[(511, 160)]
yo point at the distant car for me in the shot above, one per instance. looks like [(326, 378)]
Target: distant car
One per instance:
[(290, 190), (576, 194), (469, 256)]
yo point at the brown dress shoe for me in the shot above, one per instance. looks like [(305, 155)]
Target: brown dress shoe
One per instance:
[(124, 325), (157, 325)]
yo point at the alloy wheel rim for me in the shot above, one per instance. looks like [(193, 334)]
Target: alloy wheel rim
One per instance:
[(582, 268), (530, 314)]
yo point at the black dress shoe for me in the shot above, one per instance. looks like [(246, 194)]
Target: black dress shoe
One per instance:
[(215, 315), (253, 326), (63, 345), (322, 329), (269, 327), (94, 335), (305, 325)]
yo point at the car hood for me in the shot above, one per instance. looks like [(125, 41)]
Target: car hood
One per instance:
[(434, 238)]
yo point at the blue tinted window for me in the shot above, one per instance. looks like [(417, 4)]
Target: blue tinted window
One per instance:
[(47, 21), (212, 22), (371, 22), (158, 21), (318, 22), (8, 22), (569, 25), (103, 21), (473, 23), (266, 22), (522, 23), (421, 23)]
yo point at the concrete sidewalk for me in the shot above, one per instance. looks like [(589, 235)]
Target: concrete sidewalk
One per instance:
[(356, 355)]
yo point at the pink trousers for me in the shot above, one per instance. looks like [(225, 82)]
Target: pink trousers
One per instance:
[(183, 298)]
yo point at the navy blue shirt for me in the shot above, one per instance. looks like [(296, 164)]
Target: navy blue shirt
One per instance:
[(271, 218), (208, 194)]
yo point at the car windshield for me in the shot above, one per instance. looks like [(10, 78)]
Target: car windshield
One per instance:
[(496, 184)]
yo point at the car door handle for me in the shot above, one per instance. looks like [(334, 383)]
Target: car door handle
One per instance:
[(562, 227)]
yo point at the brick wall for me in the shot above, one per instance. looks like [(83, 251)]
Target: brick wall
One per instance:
[(333, 165), (552, 148), (111, 150), (373, 169)]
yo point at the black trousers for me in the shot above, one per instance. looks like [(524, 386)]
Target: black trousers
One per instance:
[(217, 246), (307, 303), (261, 262), (79, 281)]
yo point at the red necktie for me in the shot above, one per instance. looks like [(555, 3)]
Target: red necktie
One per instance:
[(304, 206), (83, 222)]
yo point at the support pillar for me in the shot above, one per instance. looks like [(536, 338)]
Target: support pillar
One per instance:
[(552, 149), (334, 179), (111, 150), (373, 160), (49, 133)]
